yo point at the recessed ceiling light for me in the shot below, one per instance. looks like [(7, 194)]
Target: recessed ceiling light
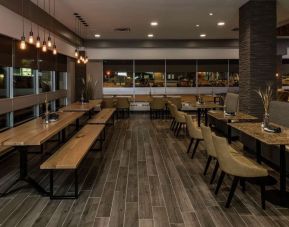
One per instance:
[(97, 35), (203, 35), (154, 23), (211, 14), (150, 35), (221, 23), (197, 25)]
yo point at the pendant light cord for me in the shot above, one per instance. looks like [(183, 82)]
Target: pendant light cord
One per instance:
[(37, 23), (44, 10), (22, 18)]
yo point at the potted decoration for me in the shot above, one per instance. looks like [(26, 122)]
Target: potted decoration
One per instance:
[(266, 96), (87, 89)]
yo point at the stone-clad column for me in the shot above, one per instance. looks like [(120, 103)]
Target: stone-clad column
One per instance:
[(257, 37)]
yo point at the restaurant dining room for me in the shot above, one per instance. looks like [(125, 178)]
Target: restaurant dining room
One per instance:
[(144, 113)]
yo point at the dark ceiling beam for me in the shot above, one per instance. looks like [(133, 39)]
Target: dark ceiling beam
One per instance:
[(209, 43), (43, 19)]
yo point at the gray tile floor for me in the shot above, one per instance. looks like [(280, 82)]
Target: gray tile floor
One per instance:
[(145, 179)]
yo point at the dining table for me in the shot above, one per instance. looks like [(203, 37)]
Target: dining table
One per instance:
[(229, 118), (256, 131), (34, 133)]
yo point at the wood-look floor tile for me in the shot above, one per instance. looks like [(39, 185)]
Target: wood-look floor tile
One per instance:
[(160, 217), (89, 213), (131, 215)]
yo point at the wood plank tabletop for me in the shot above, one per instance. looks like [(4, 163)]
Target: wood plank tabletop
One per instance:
[(255, 130), (79, 107), (70, 154), (221, 116), (208, 105), (102, 117), (36, 132)]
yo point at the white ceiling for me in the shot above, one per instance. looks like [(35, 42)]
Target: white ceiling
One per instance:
[(177, 18)]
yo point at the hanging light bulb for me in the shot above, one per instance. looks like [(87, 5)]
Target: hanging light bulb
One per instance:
[(49, 42), (38, 43), (44, 47), (22, 43), (78, 61), (76, 53), (31, 38), (54, 49)]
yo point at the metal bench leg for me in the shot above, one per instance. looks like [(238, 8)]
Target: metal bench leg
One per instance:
[(51, 184), (76, 183)]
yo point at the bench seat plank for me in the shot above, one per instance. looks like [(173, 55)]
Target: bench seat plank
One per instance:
[(5, 149), (103, 116), (71, 154)]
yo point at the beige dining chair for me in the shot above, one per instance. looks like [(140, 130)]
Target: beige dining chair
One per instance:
[(157, 107), (108, 103), (238, 166), (177, 101), (123, 106), (172, 115), (180, 120), (195, 133)]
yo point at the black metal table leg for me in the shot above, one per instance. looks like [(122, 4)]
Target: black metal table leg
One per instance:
[(63, 135), (23, 174), (280, 197), (77, 124), (199, 117), (229, 132), (258, 151)]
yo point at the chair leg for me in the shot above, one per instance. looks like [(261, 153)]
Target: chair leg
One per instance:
[(190, 145), (232, 191), (176, 128), (220, 181), (179, 129), (207, 165), (195, 148), (263, 200), (172, 123), (215, 172)]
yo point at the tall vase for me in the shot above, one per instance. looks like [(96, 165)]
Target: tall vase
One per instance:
[(266, 120)]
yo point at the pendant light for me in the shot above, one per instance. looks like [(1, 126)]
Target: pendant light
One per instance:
[(76, 50), (54, 44), (44, 46), (22, 42), (31, 38), (49, 41), (38, 43)]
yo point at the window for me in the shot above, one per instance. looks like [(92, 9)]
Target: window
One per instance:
[(4, 82), (4, 121), (59, 103), (285, 72), (42, 108), (60, 80), (23, 115), (234, 73), (45, 81), (181, 73), (23, 81), (118, 73), (150, 73), (212, 73)]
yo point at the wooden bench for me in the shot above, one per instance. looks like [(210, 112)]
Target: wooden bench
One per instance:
[(103, 116), (70, 155)]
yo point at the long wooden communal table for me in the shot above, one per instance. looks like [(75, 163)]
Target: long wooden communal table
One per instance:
[(239, 117), (254, 130), (82, 107), (103, 116), (203, 109), (34, 133)]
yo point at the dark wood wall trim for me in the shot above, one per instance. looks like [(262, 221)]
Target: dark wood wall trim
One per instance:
[(43, 19)]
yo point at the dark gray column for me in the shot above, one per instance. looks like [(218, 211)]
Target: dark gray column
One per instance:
[(257, 37)]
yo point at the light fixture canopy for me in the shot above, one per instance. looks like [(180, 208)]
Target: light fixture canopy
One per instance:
[(154, 23), (44, 47), (211, 14), (22, 43), (197, 25)]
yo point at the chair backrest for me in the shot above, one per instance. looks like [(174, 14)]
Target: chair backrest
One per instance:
[(157, 103), (123, 103), (192, 127), (231, 103), (108, 103), (224, 154), (279, 113), (207, 135), (177, 101)]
